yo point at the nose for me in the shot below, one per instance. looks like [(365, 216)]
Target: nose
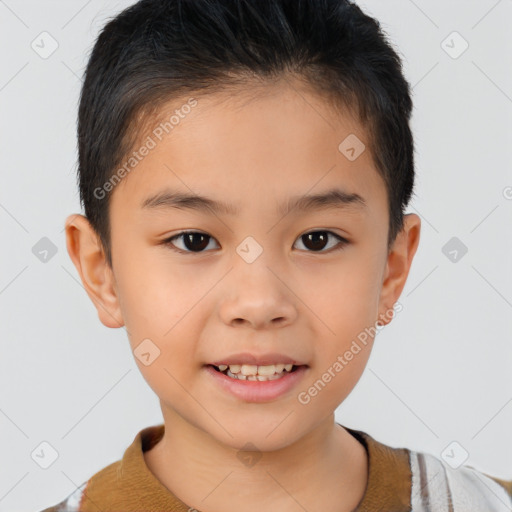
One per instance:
[(258, 296)]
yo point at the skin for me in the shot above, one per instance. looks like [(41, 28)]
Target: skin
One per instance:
[(294, 299)]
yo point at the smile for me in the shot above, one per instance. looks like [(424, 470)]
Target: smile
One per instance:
[(255, 372), (249, 385)]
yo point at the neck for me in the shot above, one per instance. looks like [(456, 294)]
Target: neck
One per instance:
[(326, 466)]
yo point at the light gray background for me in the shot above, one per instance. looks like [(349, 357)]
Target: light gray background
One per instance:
[(440, 372)]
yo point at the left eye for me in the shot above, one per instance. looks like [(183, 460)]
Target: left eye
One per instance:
[(196, 241), (317, 239)]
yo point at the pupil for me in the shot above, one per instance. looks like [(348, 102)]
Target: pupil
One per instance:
[(189, 241), (315, 238)]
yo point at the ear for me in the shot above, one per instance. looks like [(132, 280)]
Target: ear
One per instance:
[(398, 264), (86, 252)]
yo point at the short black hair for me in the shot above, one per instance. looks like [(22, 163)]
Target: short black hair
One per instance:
[(159, 50)]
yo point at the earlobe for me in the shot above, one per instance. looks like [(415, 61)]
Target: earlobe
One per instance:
[(398, 264), (86, 252)]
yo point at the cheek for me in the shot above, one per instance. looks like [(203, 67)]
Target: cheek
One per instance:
[(165, 353), (333, 380), (346, 298), (151, 297), (158, 312)]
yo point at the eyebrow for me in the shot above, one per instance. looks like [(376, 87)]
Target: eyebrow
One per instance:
[(330, 199)]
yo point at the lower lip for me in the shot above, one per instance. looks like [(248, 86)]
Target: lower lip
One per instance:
[(256, 390)]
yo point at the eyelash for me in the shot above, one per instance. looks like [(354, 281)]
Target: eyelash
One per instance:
[(168, 241)]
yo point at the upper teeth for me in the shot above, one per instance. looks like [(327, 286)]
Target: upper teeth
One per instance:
[(250, 369)]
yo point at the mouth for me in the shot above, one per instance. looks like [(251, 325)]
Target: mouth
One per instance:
[(255, 372), (256, 387)]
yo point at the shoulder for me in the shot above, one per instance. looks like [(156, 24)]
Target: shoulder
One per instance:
[(412, 481), (71, 503), (435, 485), (74, 502), (121, 483)]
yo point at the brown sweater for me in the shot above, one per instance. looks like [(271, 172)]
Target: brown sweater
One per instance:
[(399, 480)]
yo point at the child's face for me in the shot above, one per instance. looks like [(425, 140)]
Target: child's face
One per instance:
[(300, 298)]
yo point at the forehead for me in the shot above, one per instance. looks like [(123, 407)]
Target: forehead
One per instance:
[(275, 141)]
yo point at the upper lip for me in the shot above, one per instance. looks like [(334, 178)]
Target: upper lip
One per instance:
[(259, 360)]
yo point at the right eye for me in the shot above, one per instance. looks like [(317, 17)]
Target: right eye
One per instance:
[(192, 240)]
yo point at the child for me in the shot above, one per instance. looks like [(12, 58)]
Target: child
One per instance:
[(275, 133)]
